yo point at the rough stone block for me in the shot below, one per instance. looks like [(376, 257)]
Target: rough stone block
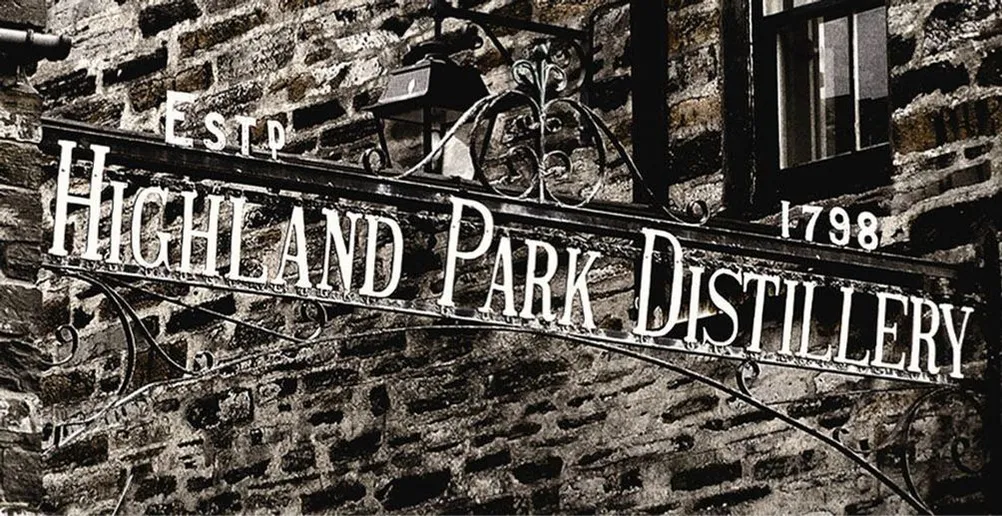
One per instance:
[(379, 400), (155, 486), (336, 496), (449, 394), (80, 453), (978, 150), (349, 132), (900, 49), (411, 490), (20, 261), (256, 470), (270, 52), (65, 388), (489, 461), (690, 406), (716, 503), (990, 70), (98, 110), (223, 503), (690, 71), (708, 475), (818, 405), (20, 164), (539, 470), (20, 111), (787, 465), (329, 379), (160, 17), (526, 376), (569, 423), (19, 307), (945, 77), (211, 35), (191, 318), (363, 445), (693, 28), (227, 408), (78, 83), (611, 93), (326, 417), (369, 346), (299, 459), (317, 114), (136, 67), (697, 156), (952, 225), (18, 416), (928, 129), (21, 477)]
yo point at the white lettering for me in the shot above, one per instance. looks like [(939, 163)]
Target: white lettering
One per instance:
[(372, 225), (174, 115), (453, 254)]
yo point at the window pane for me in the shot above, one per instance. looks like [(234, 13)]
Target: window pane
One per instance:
[(836, 89), (815, 91), (871, 70), (775, 6)]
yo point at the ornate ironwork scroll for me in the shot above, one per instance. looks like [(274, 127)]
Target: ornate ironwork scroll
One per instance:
[(534, 109), (746, 373)]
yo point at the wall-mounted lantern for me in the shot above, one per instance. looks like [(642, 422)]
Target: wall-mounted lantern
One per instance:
[(431, 93)]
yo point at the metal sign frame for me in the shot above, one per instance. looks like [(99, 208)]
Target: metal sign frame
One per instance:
[(428, 195)]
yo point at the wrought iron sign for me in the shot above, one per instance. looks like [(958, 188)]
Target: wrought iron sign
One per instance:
[(522, 258)]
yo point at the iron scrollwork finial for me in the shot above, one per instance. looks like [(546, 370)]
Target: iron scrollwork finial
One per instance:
[(534, 105)]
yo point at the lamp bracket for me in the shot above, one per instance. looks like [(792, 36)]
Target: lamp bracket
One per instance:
[(441, 10)]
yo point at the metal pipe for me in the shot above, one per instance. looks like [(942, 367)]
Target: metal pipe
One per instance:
[(442, 9), (32, 46)]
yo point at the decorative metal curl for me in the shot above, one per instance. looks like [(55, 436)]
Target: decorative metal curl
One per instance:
[(66, 334), (862, 452), (130, 321), (314, 312), (956, 444), (753, 369), (373, 160), (538, 77)]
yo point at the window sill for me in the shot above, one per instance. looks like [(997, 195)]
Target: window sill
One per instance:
[(846, 174)]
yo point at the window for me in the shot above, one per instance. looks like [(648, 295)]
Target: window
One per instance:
[(821, 97)]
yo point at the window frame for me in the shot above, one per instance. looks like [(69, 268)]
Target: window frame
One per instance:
[(851, 172)]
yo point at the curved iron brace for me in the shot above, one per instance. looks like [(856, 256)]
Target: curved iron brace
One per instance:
[(204, 361), (741, 394), (68, 334), (901, 434), (956, 444), (909, 493)]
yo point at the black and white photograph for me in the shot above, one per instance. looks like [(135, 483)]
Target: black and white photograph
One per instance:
[(500, 257)]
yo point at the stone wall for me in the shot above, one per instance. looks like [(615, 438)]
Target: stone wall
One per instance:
[(20, 298), (459, 422), (946, 80)]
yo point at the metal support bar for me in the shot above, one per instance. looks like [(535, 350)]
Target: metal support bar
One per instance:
[(990, 273), (649, 73)]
